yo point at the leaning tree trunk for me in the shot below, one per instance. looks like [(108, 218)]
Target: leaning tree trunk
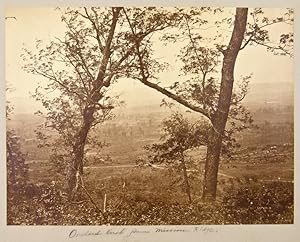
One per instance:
[(76, 166), (220, 117)]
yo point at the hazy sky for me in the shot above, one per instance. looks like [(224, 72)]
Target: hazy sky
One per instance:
[(44, 23)]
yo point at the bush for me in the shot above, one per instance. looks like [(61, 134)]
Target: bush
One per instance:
[(257, 203), (47, 205)]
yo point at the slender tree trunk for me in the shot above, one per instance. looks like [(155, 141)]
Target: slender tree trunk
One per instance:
[(76, 166), (221, 115), (186, 179)]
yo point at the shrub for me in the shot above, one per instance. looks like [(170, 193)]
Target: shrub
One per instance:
[(257, 203), (47, 205)]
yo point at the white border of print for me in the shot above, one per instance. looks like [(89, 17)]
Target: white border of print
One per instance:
[(215, 233)]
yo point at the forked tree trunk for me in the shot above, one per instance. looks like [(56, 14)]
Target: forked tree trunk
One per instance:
[(221, 115)]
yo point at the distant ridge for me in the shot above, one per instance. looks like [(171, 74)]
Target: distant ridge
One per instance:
[(143, 99)]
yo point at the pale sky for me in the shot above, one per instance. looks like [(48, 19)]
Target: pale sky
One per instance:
[(45, 24)]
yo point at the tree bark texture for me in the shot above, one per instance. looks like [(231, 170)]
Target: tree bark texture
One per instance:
[(76, 166), (221, 115)]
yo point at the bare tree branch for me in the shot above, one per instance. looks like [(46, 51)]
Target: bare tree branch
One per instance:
[(144, 77)]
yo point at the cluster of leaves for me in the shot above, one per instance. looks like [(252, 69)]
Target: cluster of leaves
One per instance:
[(239, 118), (258, 29), (179, 135)]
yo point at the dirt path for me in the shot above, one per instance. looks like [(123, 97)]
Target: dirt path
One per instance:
[(162, 167), (112, 166), (276, 180), (225, 175)]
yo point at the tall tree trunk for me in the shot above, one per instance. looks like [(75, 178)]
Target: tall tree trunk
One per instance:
[(186, 179), (76, 166), (221, 115)]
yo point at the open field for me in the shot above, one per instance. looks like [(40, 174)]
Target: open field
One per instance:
[(109, 179)]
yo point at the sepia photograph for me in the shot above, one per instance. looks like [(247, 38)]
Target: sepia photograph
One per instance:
[(149, 116)]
